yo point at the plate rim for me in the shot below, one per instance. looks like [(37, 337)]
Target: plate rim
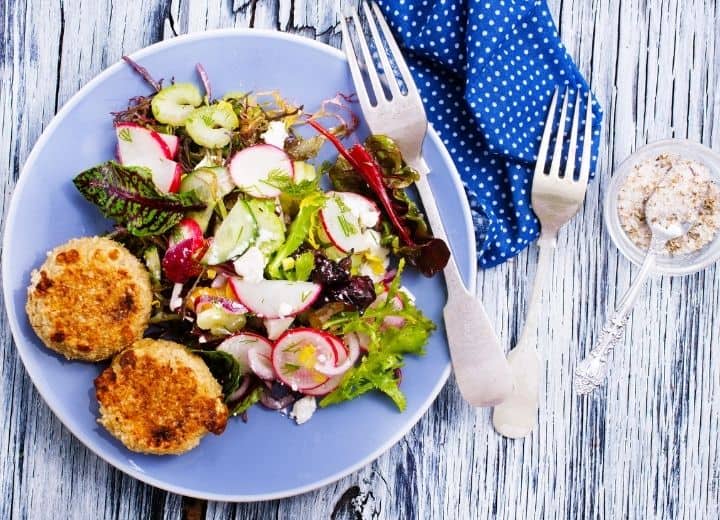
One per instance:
[(33, 370)]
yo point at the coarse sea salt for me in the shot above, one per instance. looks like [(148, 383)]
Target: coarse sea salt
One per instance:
[(686, 185)]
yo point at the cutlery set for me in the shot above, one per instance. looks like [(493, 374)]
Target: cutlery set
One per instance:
[(484, 375)]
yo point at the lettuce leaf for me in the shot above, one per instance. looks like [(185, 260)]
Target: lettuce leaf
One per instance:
[(129, 197), (378, 370), (298, 232)]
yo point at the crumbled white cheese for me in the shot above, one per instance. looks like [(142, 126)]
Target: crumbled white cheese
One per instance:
[(175, 299), (251, 265), (303, 409), (276, 134), (264, 236), (284, 309)]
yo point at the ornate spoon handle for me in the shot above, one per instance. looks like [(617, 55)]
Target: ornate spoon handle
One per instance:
[(592, 371)]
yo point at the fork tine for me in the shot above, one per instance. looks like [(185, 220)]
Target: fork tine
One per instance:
[(587, 143), (387, 67), (368, 59), (572, 145), (396, 54), (559, 139), (354, 66), (545, 142)]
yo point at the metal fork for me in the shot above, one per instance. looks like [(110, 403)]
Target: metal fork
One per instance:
[(555, 200), (481, 371)]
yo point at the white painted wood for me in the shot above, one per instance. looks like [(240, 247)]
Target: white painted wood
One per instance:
[(645, 447)]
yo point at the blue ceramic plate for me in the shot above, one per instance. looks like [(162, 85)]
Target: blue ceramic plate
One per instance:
[(270, 456)]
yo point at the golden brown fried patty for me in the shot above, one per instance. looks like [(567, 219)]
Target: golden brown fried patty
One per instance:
[(157, 397), (90, 299)]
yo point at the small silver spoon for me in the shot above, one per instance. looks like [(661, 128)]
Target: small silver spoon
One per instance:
[(670, 213)]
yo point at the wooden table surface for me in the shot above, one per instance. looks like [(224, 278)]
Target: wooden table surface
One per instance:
[(646, 446)]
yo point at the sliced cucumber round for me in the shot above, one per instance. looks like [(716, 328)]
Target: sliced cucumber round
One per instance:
[(203, 183), (234, 235), (271, 228), (173, 104), (211, 126), (304, 171)]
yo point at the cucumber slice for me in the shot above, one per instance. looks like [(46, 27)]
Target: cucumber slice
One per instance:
[(271, 228), (211, 126), (304, 171), (204, 183), (173, 104), (225, 183), (234, 236), (152, 262)]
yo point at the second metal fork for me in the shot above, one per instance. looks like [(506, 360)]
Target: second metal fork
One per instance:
[(556, 199)]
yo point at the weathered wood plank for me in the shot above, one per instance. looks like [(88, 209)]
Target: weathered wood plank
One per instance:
[(646, 446)]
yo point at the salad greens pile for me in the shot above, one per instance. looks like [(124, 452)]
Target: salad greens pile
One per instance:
[(284, 288)]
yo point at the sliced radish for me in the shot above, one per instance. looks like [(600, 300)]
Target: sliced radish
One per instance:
[(261, 364), (295, 355), (138, 146), (397, 303), (328, 386), (393, 322), (336, 369), (276, 326), (252, 351), (346, 218), (186, 228), (134, 135), (182, 261), (365, 209), (172, 142), (360, 338), (275, 298), (381, 298), (252, 167)]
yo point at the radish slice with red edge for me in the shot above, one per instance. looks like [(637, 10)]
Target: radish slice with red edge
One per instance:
[(295, 355), (240, 346), (275, 298), (251, 167), (331, 384), (139, 146), (393, 322), (340, 368), (171, 142), (260, 360)]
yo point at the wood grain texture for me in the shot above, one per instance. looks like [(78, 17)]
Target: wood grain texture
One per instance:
[(646, 446)]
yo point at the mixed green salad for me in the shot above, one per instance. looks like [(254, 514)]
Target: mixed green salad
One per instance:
[(289, 291)]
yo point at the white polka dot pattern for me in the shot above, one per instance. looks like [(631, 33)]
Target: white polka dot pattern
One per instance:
[(486, 71)]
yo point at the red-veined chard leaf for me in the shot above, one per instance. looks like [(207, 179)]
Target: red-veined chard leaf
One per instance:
[(129, 197)]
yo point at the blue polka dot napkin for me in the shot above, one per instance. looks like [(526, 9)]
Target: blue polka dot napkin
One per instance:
[(486, 70)]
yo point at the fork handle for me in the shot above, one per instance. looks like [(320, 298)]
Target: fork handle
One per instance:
[(528, 337), (481, 370), (516, 417)]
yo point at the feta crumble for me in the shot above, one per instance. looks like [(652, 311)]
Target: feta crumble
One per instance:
[(251, 265), (303, 409), (275, 134)]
